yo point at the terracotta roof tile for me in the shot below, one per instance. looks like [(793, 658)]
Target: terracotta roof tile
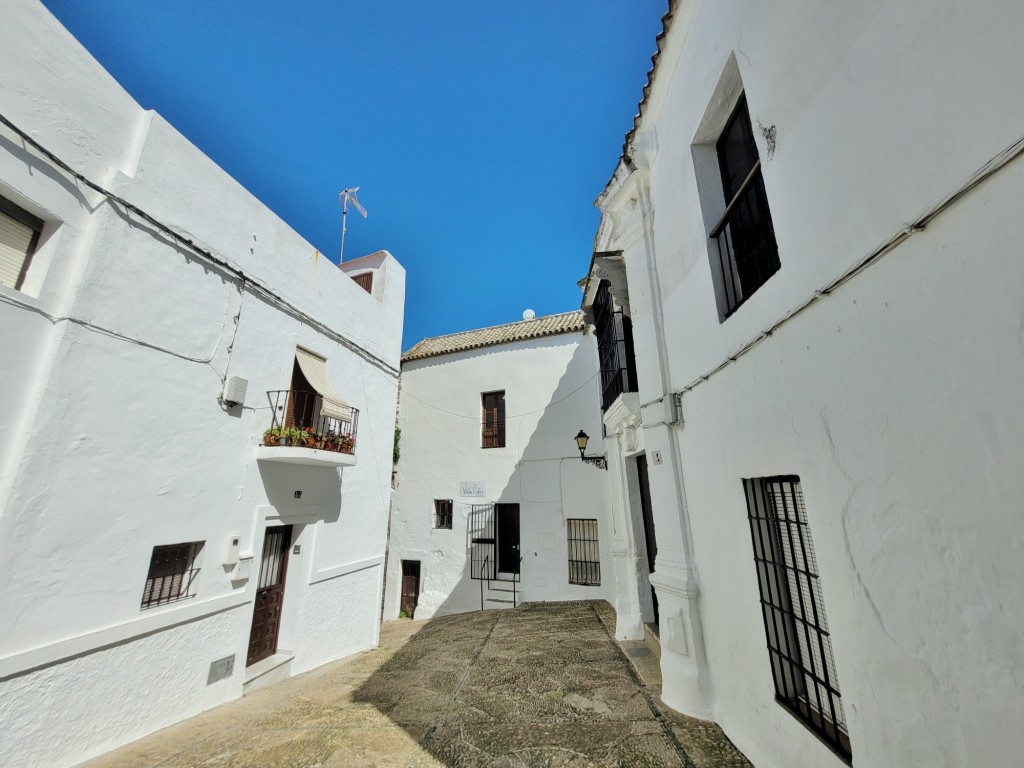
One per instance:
[(552, 325)]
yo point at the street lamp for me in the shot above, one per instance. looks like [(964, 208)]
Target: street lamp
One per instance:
[(581, 442)]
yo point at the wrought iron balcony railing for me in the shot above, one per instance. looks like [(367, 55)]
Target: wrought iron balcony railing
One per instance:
[(302, 419)]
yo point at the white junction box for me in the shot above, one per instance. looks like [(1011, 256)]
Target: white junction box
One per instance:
[(234, 390)]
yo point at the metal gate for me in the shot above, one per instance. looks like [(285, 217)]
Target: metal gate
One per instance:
[(483, 554)]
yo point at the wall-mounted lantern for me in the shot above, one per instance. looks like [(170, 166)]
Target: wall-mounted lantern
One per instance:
[(581, 443)]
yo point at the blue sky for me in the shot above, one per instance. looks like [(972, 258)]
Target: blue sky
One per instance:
[(478, 132)]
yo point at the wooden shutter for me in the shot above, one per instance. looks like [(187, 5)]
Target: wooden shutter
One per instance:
[(493, 419), (17, 242), (365, 281)]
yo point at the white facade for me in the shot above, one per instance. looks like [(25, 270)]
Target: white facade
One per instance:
[(894, 396), (113, 439), (550, 388)]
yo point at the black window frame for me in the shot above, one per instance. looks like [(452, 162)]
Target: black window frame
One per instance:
[(172, 574), (748, 252), (584, 549), (793, 609), (20, 215), (492, 426), (614, 332), (443, 514)]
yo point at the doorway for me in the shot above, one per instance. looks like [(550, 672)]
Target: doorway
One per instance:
[(266, 615), (410, 587), (508, 537), (648, 519)]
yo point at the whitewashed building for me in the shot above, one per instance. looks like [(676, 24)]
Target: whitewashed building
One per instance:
[(159, 554), (814, 229), (494, 505)]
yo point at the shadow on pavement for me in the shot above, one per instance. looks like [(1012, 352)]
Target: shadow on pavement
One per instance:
[(541, 685)]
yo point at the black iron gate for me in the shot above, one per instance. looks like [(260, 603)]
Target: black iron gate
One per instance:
[(482, 540)]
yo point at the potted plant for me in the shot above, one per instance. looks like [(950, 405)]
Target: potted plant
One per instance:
[(307, 437), (328, 440), (346, 443), (272, 436)]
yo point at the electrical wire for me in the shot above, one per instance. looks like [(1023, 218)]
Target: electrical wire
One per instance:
[(112, 333), (405, 392), (992, 166), (254, 285)]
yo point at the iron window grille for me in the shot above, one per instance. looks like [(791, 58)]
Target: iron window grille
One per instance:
[(483, 537), (747, 251), (443, 513), (614, 333), (19, 238), (793, 609), (584, 557), (493, 433), (172, 574)]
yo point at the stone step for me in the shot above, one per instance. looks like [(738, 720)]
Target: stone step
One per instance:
[(498, 600), (652, 639)]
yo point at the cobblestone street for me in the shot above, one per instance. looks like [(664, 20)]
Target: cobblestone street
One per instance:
[(541, 685)]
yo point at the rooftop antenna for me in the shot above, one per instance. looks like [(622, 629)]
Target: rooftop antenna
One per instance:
[(348, 194)]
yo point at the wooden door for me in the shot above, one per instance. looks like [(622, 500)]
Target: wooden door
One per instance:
[(266, 615), (410, 586), (508, 537), (648, 519)]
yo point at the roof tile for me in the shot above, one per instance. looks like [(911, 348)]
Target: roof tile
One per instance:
[(551, 325)]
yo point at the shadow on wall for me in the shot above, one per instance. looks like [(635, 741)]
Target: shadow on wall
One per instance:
[(550, 484), (319, 491)]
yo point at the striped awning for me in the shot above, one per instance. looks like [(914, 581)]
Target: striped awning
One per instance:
[(314, 368)]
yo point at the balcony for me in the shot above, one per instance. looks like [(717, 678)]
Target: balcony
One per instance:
[(308, 429)]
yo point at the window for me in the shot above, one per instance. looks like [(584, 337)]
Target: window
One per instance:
[(19, 236), (443, 513), (799, 645), (614, 332), (364, 281), (493, 420), (584, 558), (173, 574), (747, 252)]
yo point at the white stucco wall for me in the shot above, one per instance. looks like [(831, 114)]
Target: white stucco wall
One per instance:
[(551, 392), (112, 439), (895, 399)]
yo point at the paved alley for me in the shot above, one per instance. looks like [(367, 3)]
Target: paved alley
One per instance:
[(541, 685)]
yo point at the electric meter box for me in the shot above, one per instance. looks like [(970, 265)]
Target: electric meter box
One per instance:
[(234, 390)]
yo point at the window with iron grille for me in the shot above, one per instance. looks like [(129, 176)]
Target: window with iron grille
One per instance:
[(493, 420), (173, 574), (443, 513), (584, 557), (747, 252), (19, 236), (793, 609), (614, 333)]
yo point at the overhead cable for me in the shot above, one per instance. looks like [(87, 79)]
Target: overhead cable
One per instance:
[(247, 282), (995, 164)]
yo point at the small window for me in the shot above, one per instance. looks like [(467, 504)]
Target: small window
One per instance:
[(19, 236), (747, 252), (799, 644), (173, 574), (364, 281), (493, 420), (584, 557), (443, 513)]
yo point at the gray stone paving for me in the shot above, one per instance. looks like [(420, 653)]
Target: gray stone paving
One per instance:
[(541, 685)]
